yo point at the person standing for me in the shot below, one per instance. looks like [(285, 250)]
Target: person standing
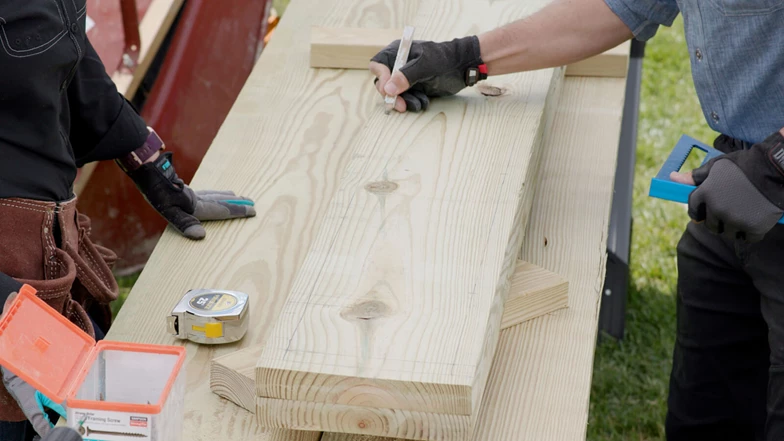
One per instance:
[(60, 110), (727, 380)]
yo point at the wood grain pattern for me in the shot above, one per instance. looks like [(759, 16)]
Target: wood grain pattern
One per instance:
[(285, 144), (540, 382), (152, 29), (352, 48), (396, 298), (362, 420), (534, 292)]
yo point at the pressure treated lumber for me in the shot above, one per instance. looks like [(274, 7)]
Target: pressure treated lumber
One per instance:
[(352, 48), (534, 292), (152, 30), (399, 301), (540, 382)]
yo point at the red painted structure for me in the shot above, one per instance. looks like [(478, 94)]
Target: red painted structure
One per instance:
[(213, 50)]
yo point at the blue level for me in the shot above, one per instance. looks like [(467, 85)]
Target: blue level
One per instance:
[(663, 187)]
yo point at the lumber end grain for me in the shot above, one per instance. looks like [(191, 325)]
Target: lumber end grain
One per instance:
[(535, 292)]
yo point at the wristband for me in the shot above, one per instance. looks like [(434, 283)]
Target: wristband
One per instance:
[(138, 157)]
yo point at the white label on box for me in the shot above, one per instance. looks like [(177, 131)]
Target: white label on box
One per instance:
[(99, 425)]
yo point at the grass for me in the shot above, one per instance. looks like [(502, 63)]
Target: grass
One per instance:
[(630, 378), (630, 381)]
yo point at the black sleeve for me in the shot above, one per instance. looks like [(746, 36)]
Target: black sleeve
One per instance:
[(7, 286), (103, 124)]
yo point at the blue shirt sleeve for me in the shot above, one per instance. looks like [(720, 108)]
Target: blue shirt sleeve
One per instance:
[(644, 17)]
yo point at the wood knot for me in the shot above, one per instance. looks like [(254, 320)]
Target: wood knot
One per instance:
[(381, 187), (366, 310), (488, 90)]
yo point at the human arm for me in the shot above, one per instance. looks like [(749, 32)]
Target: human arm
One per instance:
[(561, 33), (105, 126)]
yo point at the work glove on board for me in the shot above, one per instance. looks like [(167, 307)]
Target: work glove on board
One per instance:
[(741, 194), (436, 69), (184, 208)]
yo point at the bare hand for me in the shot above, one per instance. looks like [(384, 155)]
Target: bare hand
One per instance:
[(682, 178)]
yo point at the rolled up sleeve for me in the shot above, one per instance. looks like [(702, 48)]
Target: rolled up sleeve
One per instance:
[(644, 17), (104, 125)]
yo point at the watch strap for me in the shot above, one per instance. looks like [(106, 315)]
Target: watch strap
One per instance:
[(138, 157)]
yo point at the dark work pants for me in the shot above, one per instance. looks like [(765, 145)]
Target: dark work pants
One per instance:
[(727, 380)]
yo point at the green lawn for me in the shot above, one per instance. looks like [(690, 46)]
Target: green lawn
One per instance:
[(630, 378), (629, 392)]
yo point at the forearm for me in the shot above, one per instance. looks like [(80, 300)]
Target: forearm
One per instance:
[(564, 32)]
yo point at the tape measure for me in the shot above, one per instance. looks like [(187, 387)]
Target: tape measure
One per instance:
[(210, 316)]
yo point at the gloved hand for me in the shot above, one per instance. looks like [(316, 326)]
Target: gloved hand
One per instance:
[(433, 70), (741, 194), (62, 434), (183, 207), (32, 402)]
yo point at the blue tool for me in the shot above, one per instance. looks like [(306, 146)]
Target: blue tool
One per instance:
[(663, 187)]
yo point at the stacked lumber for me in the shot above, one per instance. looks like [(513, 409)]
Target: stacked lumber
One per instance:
[(392, 321), (305, 144)]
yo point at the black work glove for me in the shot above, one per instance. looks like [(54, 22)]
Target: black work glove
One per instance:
[(183, 207), (433, 70), (741, 194)]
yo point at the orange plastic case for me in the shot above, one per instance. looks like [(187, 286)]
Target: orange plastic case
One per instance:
[(121, 390)]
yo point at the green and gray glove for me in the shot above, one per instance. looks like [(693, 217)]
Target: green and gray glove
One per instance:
[(184, 208), (741, 194), (433, 69)]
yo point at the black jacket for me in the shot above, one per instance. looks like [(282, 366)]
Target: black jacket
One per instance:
[(58, 108)]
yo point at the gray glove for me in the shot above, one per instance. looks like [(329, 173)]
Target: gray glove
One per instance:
[(741, 194), (62, 434), (183, 207), (436, 69), (25, 395)]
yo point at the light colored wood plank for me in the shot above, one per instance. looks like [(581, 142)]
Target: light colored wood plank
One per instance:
[(395, 299), (363, 420), (348, 48), (285, 143), (152, 29), (534, 292), (352, 48), (612, 63), (540, 382)]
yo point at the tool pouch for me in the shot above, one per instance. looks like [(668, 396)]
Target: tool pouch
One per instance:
[(47, 245)]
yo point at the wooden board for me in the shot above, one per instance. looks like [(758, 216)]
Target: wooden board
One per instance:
[(611, 63), (399, 301), (352, 48), (540, 382), (534, 292), (153, 28), (541, 375)]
